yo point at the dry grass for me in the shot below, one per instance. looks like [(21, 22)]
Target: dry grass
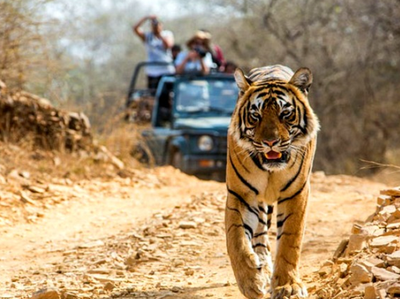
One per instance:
[(40, 164), (388, 173), (121, 138), (45, 165)]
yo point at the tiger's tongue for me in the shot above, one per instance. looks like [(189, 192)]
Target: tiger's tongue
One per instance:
[(273, 155)]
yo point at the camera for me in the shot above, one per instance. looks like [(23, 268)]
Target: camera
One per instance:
[(202, 53), (154, 22)]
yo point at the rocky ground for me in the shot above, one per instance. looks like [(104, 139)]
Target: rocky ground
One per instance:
[(157, 233), (76, 221), (367, 264)]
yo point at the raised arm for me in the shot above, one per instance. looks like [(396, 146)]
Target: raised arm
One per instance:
[(137, 28)]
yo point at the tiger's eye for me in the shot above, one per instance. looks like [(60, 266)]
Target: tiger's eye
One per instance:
[(286, 113), (255, 115)]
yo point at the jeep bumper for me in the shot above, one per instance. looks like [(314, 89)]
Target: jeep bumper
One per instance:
[(204, 164)]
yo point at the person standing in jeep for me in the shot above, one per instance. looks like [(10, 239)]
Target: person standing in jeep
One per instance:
[(158, 43)]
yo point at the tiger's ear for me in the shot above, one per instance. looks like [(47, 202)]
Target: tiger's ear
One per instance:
[(241, 80), (302, 79)]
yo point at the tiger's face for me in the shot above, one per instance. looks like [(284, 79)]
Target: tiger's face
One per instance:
[(273, 120)]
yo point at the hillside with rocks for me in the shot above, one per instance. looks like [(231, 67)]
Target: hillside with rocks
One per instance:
[(33, 122), (27, 116)]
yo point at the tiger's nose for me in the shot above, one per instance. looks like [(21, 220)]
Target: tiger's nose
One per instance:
[(271, 142)]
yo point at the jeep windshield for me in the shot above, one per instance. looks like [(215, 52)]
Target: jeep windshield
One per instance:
[(206, 96)]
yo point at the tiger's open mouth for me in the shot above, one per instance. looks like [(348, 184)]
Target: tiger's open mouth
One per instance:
[(271, 155), (277, 157)]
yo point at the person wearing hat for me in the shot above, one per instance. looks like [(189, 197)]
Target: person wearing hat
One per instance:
[(196, 59), (215, 50), (158, 43)]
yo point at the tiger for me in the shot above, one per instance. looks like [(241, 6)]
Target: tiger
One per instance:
[(271, 145)]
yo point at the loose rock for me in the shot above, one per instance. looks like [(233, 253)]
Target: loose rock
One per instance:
[(46, 294), (187, 224)]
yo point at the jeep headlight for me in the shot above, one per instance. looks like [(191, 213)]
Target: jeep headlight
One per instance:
[(205, 143)]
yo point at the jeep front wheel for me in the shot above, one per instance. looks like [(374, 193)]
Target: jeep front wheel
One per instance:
[(177, 160)]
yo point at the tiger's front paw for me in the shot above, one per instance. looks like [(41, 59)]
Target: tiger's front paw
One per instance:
[(252, 284), (297, 290), (250, 276)]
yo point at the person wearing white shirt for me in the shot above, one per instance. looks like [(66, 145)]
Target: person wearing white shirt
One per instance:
[(158, 43)]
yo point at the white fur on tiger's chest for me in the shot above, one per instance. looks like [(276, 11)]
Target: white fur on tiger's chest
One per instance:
[(271, 184), (268, 189), (270, 193)]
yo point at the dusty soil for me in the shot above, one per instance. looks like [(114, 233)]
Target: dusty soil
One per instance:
[(146, 233)]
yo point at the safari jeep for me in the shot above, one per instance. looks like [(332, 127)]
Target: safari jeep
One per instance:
[(189, 123)]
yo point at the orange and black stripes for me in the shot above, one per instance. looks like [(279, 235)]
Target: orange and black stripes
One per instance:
[(282, 200), (271, 144), (293, 179), (242, 179)]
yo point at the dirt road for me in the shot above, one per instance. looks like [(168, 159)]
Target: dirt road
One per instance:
[(148, 234)]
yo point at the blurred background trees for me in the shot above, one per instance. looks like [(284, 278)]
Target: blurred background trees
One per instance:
[(81, 54)]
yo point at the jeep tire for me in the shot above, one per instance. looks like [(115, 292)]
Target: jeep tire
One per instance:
[(177, 160)]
